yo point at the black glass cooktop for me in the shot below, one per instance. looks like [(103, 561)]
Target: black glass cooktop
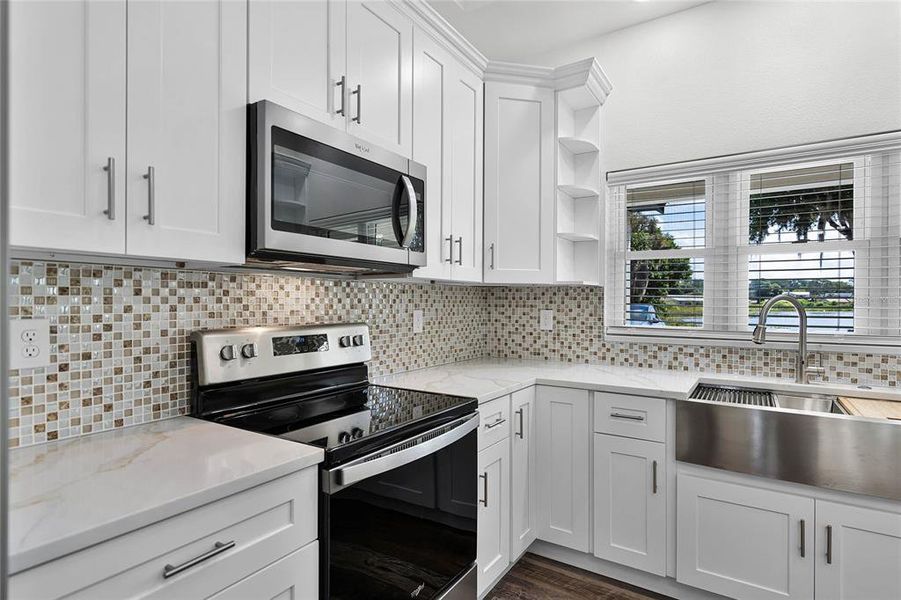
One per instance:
[(336, 410)]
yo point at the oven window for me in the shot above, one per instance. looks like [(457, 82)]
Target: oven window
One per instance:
[(322, 191), (411, 528)]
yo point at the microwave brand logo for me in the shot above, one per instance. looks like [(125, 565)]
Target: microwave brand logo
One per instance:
[(361, 148), (419, 588)]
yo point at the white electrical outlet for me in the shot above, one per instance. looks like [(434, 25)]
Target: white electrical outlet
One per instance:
[(29, 343), (417, 321), (546, 320)]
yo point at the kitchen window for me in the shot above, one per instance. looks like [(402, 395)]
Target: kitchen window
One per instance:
[(694, 258)]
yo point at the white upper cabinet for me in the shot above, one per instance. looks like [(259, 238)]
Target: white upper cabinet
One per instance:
[(858, 553), (464, 174), (380, 75), (182, 75), (187, 71), (67, 125), (297, 56), (447, 139), (519, 183)]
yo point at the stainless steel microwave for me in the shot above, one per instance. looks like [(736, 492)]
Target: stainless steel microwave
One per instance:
[(322, 200)]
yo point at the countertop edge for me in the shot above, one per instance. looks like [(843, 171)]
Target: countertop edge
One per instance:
[(36, 556)]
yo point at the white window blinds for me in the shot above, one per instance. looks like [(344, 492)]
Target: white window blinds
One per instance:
[(697, 256)]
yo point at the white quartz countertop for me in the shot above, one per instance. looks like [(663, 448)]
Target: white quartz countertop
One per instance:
[(489, 378), (67, 495)]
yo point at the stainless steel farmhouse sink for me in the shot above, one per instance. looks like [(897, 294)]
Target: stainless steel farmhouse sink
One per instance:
[(741, 429), (750, 396)]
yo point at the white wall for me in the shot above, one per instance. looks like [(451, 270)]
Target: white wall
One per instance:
[(730, 77)]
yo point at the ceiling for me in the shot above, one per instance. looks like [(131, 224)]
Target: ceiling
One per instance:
[(518, 30)]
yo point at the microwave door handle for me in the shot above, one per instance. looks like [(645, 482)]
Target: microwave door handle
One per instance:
[(390, 458), (413, 211)]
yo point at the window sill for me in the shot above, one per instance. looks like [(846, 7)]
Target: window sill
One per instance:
[(775, 341)]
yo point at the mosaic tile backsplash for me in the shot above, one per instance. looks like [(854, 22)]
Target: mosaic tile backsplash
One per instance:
[(120, 354)]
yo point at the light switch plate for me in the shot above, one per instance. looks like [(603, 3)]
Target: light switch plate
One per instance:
[(29, 343), (417, 321), (546, 320)]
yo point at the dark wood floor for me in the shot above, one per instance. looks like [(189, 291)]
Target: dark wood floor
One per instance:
[(538, 578)]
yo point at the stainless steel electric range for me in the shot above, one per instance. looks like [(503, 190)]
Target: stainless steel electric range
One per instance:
[(398, 491)]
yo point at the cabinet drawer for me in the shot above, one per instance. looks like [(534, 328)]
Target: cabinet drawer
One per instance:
[(296, 576), (494, 421), (253, 529), (630, 416)]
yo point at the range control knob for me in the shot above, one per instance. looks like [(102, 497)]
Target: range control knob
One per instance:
[(229, 352), (344, 341), (358, 340), (250, 350), (356, 433), (343, 437)]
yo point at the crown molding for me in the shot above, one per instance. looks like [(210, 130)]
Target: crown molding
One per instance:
[(866, 144), (444, 33), (586, 74), (507, 72)]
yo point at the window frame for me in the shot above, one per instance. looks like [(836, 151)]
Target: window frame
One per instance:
[(727, 197)]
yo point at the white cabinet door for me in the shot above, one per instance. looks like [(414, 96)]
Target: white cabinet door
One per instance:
[(743, 542), (296, 56), (865, 558), (187, 93), (67, 124), (380, 74), (523, 487), (564, 473), (519, 184), (630, 502), (464, 173), (432, 73), (493, 552), (294, 577)]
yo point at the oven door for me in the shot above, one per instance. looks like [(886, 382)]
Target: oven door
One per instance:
[(319, 192), (401, 523)]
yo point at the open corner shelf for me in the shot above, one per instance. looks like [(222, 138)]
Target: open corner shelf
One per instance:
[(577, 237), (578, 145), (578, 191)]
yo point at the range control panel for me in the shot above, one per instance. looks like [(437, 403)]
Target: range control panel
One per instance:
[(237, 354)]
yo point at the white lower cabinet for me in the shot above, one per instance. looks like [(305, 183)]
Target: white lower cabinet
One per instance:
[(493, 552), (630, 502), (564, 466), (742, 541), (858, 553), (524, 491), (198, 553), (294, 577)]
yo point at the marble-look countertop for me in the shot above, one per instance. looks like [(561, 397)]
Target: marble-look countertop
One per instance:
[(67, 495), (489, 378)]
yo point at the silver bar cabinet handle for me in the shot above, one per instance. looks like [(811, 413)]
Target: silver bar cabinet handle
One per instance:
[(219, 548), (110, 169), (450, 247), (460, 250), (491, 251), (803, 538), (654, 476), (484, 478), (519, 433), (150, 176), (359, 93), (342, 83), (625, 416), (495, 424), (828, 544)]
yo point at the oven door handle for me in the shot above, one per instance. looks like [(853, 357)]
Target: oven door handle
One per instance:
[(398, 454)]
